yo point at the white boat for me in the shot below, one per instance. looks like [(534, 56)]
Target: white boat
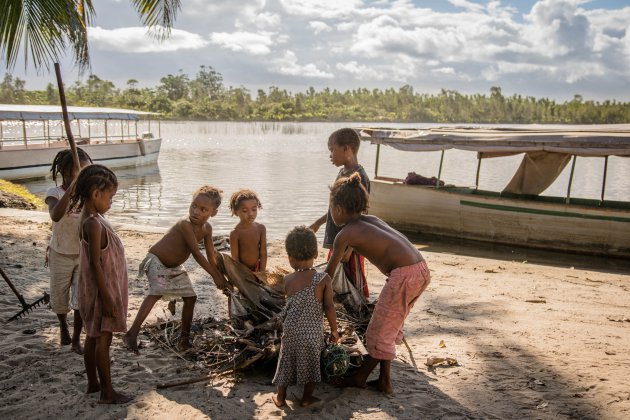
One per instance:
[(518, 215), (28, 144)]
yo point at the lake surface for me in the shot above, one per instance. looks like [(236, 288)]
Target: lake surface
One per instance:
[(288, 165)]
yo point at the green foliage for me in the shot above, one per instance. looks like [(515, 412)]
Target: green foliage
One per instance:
[(206, 98)]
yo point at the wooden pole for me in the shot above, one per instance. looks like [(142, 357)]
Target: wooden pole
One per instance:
[(66, 120), (478, 169), (604, 180), (568, 199), (378, 155), (437, 182)]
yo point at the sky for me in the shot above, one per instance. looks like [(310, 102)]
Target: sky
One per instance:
[(544, 48)]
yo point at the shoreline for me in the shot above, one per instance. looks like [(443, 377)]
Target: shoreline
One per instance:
[(532, 338)]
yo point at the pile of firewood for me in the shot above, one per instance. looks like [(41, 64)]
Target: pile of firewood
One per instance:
[(252, 333)]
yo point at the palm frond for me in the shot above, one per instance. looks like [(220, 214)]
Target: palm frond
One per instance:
[(158, 15), (43, 28)]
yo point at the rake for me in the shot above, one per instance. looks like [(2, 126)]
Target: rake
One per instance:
[(26, 307)]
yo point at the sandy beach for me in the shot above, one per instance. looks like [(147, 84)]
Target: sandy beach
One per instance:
[(535, 335)]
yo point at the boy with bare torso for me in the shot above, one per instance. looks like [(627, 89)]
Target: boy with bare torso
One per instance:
[(393, 254), (163, 264), (248, 240)]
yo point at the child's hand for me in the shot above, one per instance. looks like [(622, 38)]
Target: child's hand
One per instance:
[(334, 336), (223, 285)]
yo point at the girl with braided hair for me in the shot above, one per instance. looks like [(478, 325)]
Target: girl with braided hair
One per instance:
[(103, 282), (62, 254), (392, 253)]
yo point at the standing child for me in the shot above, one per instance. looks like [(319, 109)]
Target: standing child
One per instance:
[(392, 253), (344, 145), (163, 264), (63, 248), (309, 293), (103, 281), (248, 240)]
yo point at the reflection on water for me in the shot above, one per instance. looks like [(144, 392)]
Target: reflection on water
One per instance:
[(288, 165)]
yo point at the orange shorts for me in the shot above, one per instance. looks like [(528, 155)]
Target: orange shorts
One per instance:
[(401, 290)]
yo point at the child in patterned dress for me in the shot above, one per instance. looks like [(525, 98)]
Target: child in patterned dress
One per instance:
[(103, 281), (309, 294), (164, 268)]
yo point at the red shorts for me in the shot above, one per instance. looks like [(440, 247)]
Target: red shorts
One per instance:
[(401, 290)]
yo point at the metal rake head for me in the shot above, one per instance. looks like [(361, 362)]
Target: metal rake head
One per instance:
[(27, 308)]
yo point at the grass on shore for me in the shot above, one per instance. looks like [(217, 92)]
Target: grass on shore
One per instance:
[(18, 196)]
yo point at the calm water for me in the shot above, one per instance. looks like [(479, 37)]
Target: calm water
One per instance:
[(287, 164)]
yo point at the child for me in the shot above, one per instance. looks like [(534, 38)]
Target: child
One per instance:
[(248, 240), (344, 146), (163, 264), (63, 249), (303, 330), (391, 252), (103, 281)]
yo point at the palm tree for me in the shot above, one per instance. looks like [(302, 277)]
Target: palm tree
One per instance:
[(46, 28)]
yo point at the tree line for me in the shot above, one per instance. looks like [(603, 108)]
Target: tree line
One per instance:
[(205, 97)]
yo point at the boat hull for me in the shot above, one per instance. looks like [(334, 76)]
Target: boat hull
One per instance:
[(19, 163), (514, 221)]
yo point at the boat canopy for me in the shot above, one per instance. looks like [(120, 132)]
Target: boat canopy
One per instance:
[(583, 140), (53, 112)]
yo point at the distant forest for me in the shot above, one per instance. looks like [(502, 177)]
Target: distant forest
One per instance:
[(205, 97)]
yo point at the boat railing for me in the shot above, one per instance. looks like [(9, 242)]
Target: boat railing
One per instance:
[(7, 143)]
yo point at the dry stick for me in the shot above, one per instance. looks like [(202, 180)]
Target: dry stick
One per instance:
[(66, 119), (159, 340), (209, 376), (413, 361), (194, 380)]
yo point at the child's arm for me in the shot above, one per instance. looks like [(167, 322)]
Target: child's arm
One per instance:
[(340, 247), (263, 248), (315, 226), (234, 245), (57, 208), (207, 264), (97, 239), (329, 309)]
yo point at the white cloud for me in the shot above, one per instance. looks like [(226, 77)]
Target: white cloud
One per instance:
[(319, 26), (137, 40), (288, 65), (464, 4), (346, 26), (331, 9), (247, 42), (443, 70)]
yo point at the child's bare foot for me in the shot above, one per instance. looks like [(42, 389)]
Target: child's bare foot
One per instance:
[(383, 386), (77, 348), (131, 344), (115, 398), (171, 306), (309, 401), (65, 337), (92, 388), (350, 382), (279, 402)]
